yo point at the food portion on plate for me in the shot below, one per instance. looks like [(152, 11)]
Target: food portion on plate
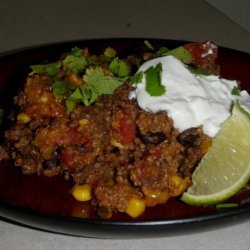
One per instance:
[(128, 131)]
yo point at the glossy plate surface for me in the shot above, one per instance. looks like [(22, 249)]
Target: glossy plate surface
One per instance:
[(46, 204)]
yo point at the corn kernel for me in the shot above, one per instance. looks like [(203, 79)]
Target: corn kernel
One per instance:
[(82, 192), (115, 143), (153, 197), (157, 198), (135, 207), (23, 118), (83, 122), (43, 99), (47, 152), (178, 185)]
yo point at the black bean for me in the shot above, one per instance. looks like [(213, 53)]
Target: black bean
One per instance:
[(153, 138), (189, 137)]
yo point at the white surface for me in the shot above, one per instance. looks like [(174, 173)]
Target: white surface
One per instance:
[(17, 238), (238, 11), (31, 22)]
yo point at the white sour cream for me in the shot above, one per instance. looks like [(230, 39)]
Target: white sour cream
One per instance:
[(190, 100)]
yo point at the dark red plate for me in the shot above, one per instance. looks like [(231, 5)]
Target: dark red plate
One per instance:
[(46, 204)]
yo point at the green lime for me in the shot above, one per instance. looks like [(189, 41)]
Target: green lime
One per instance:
[(225, 168)]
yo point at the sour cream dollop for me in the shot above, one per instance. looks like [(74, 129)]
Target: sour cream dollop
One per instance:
[(190, 100)]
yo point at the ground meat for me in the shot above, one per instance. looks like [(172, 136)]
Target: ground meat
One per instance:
[(114, 146)]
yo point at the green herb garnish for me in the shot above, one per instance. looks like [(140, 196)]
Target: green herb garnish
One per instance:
[(60, 89), (235, 91), (110, 52), (226, 205), (153, 81), (75, 62), (51, 69), (161, 52), (149, 45), (180, 53), (137, 78), (119, 67), (96, 85)]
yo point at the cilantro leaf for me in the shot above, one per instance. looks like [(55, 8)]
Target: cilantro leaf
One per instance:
[(153, 81), (180, 53), (110, 52), (161, 52), (101, 83), (51, 68), (149, 45), (137, 78), (199, 71), (75, 61), (226, 205), (76, 51), (119, 67), (85, 94), (235, 91), (60, 88), (96, 85)]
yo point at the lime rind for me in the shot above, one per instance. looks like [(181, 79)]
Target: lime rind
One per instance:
[(214, 183)]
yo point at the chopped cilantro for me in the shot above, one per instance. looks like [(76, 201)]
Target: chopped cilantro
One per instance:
[(74, 63), (84, 94), (51, 68), (226, 205), (149, 45), (60, 88), (102, 84), (96, 85), (199, 71), (110, 52), (161, 52), (235, 91), (119, 67), (180, 53), (153, 81), (137, 78), (76, 52)]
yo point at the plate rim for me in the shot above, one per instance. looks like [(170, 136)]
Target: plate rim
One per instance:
[(7, 212)]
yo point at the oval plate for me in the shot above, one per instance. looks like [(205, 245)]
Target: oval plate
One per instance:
[(46, 204)]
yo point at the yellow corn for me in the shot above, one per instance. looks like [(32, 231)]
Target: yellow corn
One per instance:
[(82, 192), (135, 207), (43, 99), (47, 152), (115, 143), (205, 145), (23, 118), (154, 198), (83, 122), (178, 185)]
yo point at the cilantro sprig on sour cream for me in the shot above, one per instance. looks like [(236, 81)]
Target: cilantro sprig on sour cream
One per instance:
[(191, 98)]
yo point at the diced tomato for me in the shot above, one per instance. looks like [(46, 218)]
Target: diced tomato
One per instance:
[(202, 51), (67, 159), (127, 130), (196, 49), (156, 153)]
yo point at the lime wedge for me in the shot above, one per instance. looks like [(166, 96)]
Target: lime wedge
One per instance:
[(225, 168)]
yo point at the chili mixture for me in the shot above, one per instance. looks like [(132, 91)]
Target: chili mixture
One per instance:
[(74, 118)]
